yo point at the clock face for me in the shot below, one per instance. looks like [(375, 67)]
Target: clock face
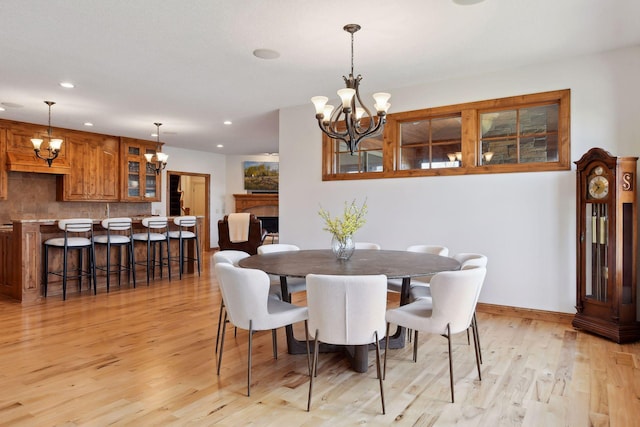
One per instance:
[(598, 187)]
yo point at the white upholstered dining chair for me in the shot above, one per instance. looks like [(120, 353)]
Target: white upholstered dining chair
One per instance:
[(395, 285), (294, 284), (467, 260), (245, 293), (346, 310), (454, 297), (367, 245)]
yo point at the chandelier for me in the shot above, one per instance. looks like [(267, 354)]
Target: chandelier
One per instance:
[(353, 122), (157, 160), (54, 143)]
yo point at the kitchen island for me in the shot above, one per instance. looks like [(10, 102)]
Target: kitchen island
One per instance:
[(21, 262)]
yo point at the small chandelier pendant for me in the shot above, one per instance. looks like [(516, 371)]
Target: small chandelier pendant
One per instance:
[(158, 160), (353, 122), (54, 144)]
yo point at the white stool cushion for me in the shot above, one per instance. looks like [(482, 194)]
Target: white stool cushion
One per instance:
[(71, 241), (116, 239), (185, 234), (154, 237)]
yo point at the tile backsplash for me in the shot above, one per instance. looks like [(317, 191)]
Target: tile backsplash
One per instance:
[(33, 196)]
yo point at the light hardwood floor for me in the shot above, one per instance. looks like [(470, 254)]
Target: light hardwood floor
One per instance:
[(145, 357)]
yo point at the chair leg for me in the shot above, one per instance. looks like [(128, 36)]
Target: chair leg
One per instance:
[(198, 252), (415, 346), (108, 265), (64, 275), (219, 324), (180, 256), (249, 358), (224, 328), (476, 345), (79, 273), (386, 350), (45, 281), (477, 334), (132, 264), (168, 258), (274, 338), (306, 337), (450, 362), (314, 369), (379, 372)]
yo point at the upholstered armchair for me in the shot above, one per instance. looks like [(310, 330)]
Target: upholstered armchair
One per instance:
[(255, 237)]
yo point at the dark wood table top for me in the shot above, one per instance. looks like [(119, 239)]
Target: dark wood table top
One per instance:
[(393, 264)]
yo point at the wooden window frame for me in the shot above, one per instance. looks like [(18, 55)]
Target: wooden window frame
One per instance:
[(470, 113)]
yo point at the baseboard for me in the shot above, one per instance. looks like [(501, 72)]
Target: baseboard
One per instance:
[(525, 313)]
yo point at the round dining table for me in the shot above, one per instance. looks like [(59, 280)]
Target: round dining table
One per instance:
[(394, 264)]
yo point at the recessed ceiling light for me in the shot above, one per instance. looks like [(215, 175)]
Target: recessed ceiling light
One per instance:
[(67, 85), (2, 109), (88, 124), (154, 135), (467, 2), (220, 146), (266, 54), (228, 122)]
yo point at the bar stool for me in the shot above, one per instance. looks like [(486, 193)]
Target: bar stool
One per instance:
[(78, 235), (187, 230), (114, 237), (157, 233)]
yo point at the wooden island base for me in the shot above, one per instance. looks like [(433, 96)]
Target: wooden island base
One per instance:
[(21, 259)]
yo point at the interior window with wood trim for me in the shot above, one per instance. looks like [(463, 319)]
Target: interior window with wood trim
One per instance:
[(527, 133)]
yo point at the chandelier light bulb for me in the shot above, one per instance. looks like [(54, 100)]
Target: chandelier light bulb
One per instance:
[(381, 99), (328, 109), (346, 95), (37, 142), (319, 102)]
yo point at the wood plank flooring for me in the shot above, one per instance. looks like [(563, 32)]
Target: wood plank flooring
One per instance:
[(145, 357)]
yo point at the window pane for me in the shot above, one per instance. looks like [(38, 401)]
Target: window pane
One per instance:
[(426, 144), (498, 124), (539, 149), (504, 151), (372, 161), (348, 163), (537, 120), (371, 143)]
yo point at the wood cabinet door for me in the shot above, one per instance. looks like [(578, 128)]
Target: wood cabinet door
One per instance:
[(94, 169), (138, 183)]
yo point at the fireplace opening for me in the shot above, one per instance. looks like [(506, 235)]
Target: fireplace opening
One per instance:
[(269, 223)]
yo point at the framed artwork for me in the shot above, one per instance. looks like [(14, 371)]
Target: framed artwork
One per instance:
[(261, 176)]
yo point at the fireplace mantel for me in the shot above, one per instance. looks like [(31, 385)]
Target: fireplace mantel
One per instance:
[(257, 203)]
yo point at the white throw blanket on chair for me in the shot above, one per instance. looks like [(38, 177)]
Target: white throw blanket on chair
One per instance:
[(238, 227)]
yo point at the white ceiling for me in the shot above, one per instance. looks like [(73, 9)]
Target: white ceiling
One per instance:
[(189, 63)]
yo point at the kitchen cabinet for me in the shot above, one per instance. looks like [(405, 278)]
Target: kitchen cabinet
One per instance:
[(94, 174), (140, 183)]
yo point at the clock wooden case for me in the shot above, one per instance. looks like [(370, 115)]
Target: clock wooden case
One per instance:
[(607, 246)]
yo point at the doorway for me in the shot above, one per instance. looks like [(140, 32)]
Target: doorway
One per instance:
[(188, 194)]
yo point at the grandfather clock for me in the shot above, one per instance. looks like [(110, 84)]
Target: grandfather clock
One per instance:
[(607, 246)]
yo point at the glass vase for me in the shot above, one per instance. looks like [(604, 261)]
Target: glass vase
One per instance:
[(342, 248)]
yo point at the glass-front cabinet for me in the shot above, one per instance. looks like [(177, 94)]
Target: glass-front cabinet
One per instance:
[(140, 182)]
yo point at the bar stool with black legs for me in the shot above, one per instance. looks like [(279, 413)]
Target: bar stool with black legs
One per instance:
[(154, 237), (187, 230), (118, 235), (78, 235)]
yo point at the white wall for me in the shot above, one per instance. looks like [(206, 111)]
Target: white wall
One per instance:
[(181, 160), (524, 222)]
